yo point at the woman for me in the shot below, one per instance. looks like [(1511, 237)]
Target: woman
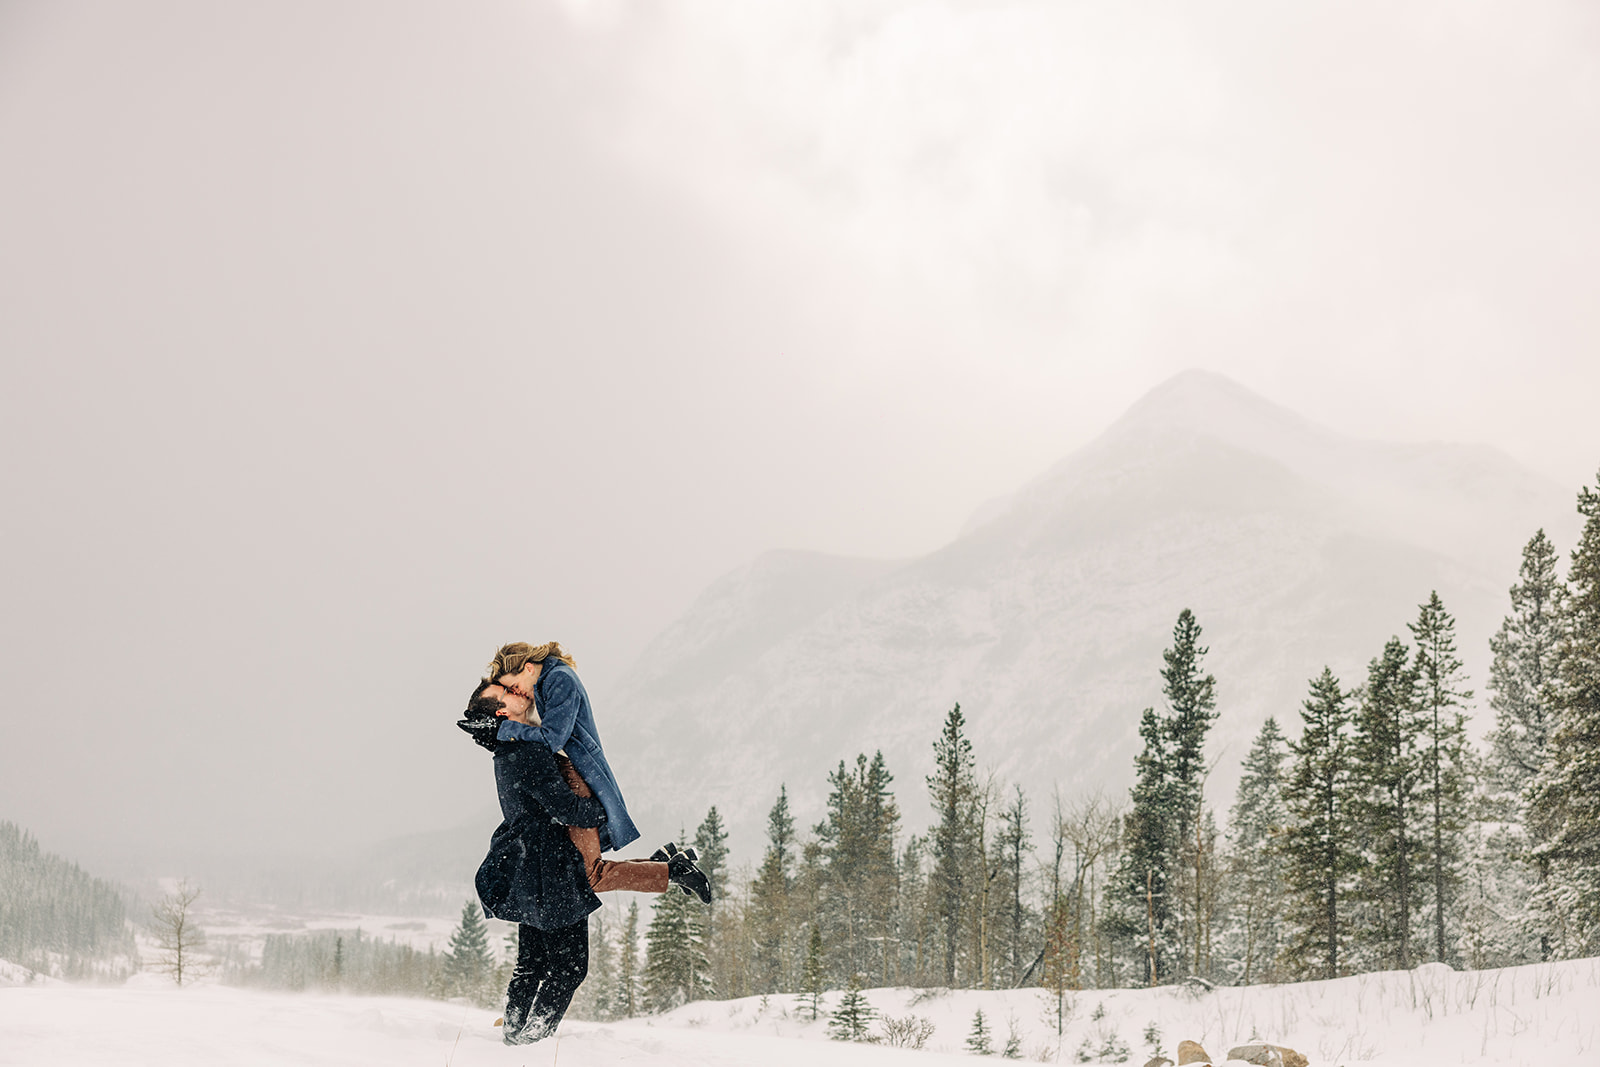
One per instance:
[(546, 702)]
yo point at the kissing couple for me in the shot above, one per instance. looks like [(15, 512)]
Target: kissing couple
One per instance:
[(561, 809)]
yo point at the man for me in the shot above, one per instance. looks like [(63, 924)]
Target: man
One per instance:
[(541, 876), (546, 703), (533, 876)]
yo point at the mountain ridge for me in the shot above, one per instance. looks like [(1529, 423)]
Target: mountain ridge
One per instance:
[(1296, 546)]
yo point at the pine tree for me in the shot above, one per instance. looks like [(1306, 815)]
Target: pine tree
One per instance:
[(1012, 846), (711, 846), (676, 970), (1259, 815), (1524, 673), (978, 1038), (1321, 843), (598, 993), (1442, 696), (469, 965), (1151, 846), (811, 977), (952, 788), (1523, 682), (769, 900), (859, 854), (628, 993), (851, 1019), (1191, 704), (1564, 797), (1388, 732)]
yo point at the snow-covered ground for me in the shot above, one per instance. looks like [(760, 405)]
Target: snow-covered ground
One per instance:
[(1545, 1014)]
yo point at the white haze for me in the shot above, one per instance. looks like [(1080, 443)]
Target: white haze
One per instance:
[(342, 342)]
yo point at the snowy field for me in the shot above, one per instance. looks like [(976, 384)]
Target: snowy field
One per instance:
[(1544, 1014)]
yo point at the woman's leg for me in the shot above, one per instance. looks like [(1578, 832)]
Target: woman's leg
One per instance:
[(530, 972), (605, 876), (566, 964)]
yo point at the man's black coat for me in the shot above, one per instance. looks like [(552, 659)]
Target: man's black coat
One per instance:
[(534, 873)]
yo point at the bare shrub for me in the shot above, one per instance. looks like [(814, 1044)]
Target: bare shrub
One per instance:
[(912, 1031)]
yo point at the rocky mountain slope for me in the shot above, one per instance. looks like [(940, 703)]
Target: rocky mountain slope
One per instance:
[(1295, 546)]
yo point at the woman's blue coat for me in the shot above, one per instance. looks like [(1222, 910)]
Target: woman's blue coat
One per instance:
[(567, 722)]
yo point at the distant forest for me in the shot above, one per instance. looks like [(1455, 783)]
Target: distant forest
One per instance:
[(54, 917)]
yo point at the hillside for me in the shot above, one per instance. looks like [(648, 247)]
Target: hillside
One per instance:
[(1533, 1015), (1295, 545)]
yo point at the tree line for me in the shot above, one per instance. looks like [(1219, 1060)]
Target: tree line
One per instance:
[(54, 917), (1377, 836)]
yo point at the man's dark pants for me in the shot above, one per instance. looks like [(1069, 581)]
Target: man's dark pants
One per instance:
[(551, 965)]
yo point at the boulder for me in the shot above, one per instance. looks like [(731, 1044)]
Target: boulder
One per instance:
[(1191, 1052), (1158, 1061), (1266, 1055)]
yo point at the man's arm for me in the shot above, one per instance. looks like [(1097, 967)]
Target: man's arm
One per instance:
[(542, 779)]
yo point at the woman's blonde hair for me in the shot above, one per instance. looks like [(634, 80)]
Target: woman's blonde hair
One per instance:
[(513, 657)]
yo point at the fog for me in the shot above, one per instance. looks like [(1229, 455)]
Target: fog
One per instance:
[(341, 343)]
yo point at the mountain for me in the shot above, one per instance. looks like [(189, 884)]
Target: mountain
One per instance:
[(1295, 546)]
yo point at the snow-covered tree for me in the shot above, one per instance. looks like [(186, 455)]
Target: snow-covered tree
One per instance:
[(1387, 741), (952, 787), (1256, 865), (469, 966), (1523, 675), (629, 995), (1149, 853), (1011, 847), (859, 873), (1564, 797), (853, 1017), (980, 1037), (1441, 706), (812, 976), (769, 902), (676, 970)]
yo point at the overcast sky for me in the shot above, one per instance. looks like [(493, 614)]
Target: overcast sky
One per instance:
[(341, 342)]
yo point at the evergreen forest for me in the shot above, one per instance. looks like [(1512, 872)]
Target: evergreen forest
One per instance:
[(55, 918)]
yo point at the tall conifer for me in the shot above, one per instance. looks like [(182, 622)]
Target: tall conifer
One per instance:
[(1387, 736), (1191, 709), (1523, 676), (769, 901), (1441, 698), (1258, 818), (858, 840), (628, 994), (1322, 840), (469, 965), (676, 969), (1012, 844), (1564, 797), (1151, 845), (952, 789)]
